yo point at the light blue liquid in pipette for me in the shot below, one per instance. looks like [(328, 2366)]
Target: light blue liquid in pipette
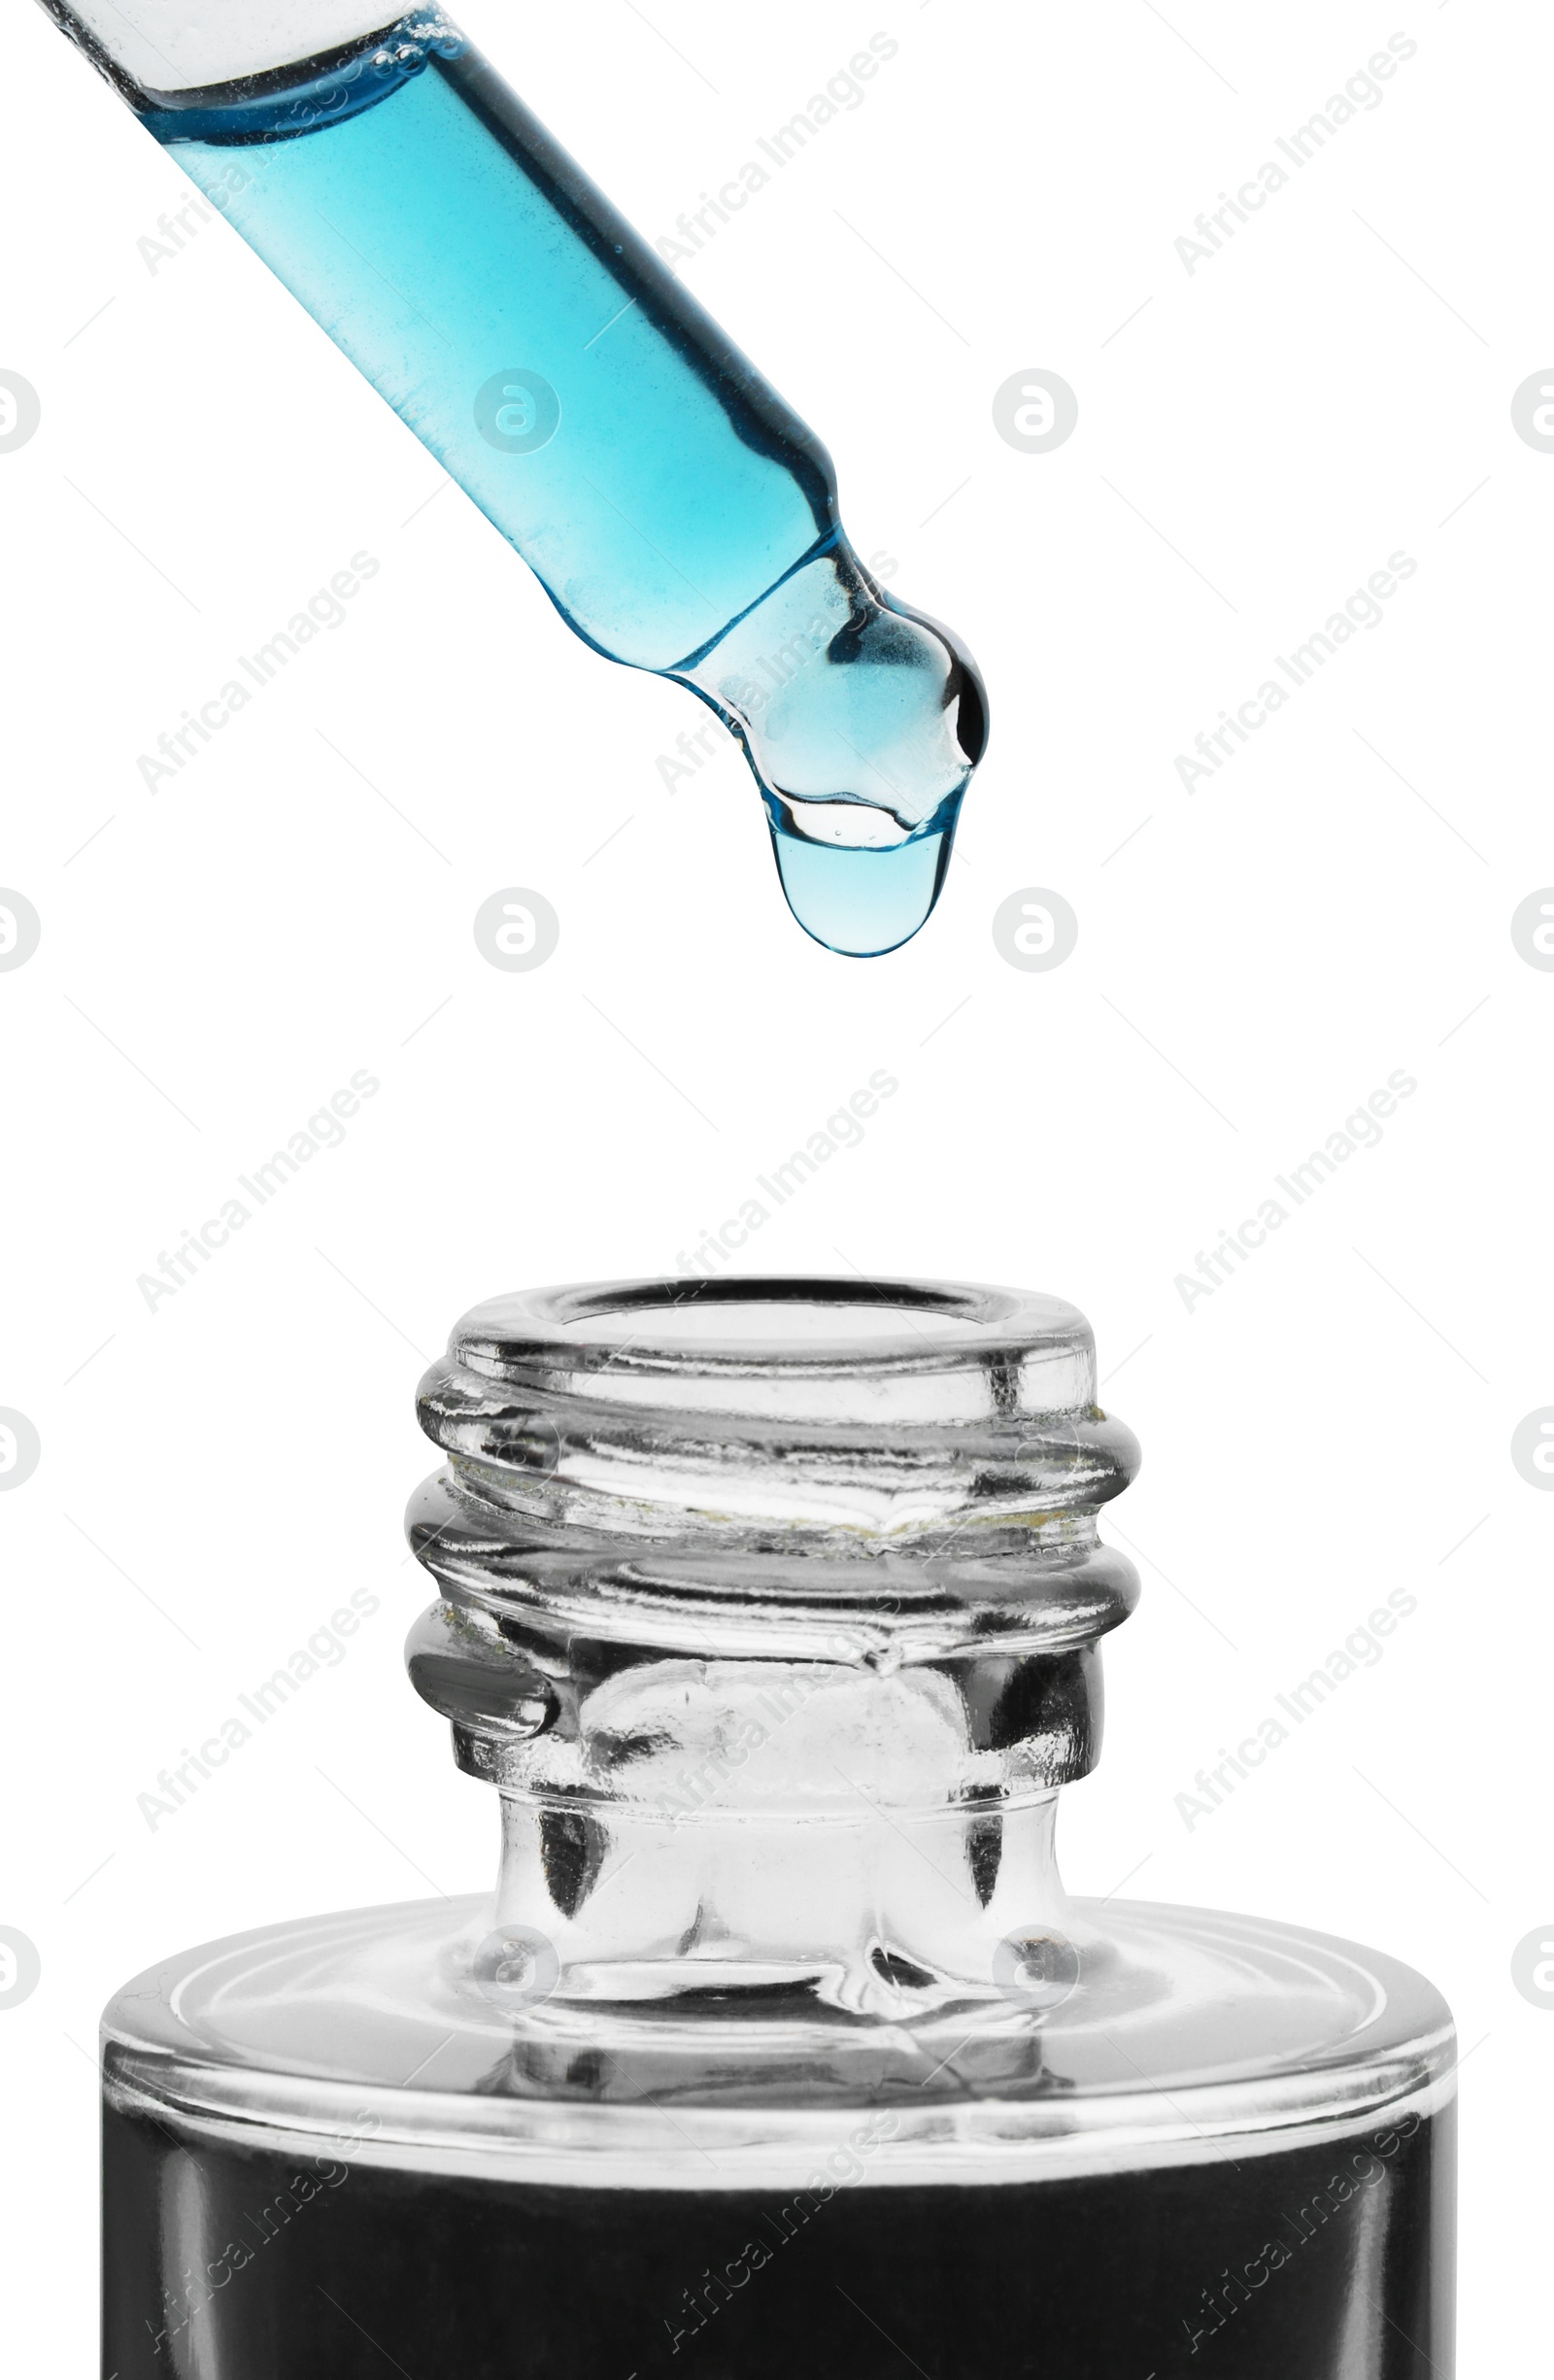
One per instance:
[(682, 519)]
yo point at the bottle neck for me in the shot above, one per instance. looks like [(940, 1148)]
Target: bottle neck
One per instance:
[(887, 1914), (777, 1649), (783, 1825)]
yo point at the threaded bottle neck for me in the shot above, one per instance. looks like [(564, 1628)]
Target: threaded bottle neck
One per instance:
[(668, 1503)]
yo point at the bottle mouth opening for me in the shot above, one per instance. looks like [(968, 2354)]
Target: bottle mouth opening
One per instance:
[(820, 1348), (803, 1323)]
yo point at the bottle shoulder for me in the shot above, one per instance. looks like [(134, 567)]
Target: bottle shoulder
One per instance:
[(1183, 2034)]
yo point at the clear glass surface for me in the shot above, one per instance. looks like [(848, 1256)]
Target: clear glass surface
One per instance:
[(1185, 2033)]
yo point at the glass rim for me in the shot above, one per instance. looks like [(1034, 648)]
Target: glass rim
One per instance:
[(814, 1324)]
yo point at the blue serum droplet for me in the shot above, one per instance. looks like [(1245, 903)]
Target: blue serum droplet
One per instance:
[(863, 903), (680, 515), (863, 721)]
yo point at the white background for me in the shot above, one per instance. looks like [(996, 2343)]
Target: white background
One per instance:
[(217, 959)]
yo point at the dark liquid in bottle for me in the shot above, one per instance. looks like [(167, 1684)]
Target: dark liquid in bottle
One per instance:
[(1313, 2263)]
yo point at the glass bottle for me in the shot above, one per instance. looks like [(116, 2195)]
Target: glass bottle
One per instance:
[(772, 1612), (678, 514)]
